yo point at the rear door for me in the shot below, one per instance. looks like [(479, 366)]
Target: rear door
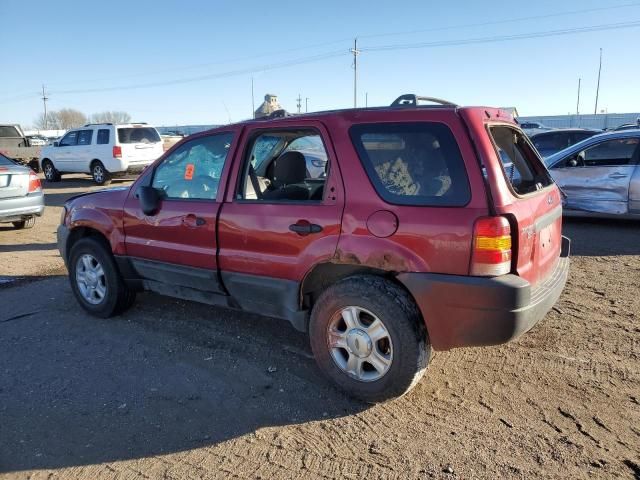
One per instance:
[(140, 144), (177, 245), (269, 239), (596, 179)]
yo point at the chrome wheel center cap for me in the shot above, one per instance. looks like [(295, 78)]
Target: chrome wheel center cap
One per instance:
[(359, 343), (92, 279)]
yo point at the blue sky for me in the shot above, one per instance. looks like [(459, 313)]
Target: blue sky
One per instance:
[(142, 56)]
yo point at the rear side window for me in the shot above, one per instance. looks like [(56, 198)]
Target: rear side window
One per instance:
[(103, 136), (138, 135), (84, 137), (522, 167), (413, 163)]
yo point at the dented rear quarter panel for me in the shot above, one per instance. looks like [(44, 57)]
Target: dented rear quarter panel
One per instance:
[(427, 239)]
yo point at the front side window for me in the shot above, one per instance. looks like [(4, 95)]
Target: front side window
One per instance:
[(609, 154), (522, 166), (284, 165), (413, 163), (84, 137), (103, 136), (193, 171), (69, 139)]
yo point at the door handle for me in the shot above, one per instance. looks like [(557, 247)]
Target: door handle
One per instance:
[(305, 228), (618, 175), (192, 221)]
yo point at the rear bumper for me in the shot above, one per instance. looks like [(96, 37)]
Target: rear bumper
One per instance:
[(16, 209), (464, 311)]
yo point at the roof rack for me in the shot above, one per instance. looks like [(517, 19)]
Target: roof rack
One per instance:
[(279, 114), (411, 100), (101, 123)]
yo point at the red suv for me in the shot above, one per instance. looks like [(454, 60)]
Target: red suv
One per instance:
[(382, 232)]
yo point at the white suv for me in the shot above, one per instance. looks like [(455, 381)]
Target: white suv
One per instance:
[(103, 150)]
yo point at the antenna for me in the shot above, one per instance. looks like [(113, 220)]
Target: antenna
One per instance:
[(355, 52)]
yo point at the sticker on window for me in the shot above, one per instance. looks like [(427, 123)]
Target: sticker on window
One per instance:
[(188, 171)]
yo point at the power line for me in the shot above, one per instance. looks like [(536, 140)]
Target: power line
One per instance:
[(500, 22), (503, 38)]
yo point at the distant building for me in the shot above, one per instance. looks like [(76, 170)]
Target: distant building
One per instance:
[(269, 106), (599, 121)]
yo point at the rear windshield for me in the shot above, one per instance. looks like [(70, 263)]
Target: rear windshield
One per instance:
[(522, 167), (413, 163), (138, 135), (4, 161), (9, 131)]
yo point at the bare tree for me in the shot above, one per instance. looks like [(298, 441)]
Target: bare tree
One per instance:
[(51, 122), (111, 117), (70, 118)]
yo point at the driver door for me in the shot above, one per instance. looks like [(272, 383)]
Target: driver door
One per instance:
[(597, 178), (177, 245)]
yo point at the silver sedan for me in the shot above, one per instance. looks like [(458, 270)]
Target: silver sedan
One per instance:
[(21, 197), (601, 175)]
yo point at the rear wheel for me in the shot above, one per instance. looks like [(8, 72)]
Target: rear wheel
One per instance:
[(99, 173), (26, 223), (50, 172), (368, 337), (96, 281)]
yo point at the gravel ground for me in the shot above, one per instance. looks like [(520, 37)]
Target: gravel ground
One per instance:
[(174, 389)]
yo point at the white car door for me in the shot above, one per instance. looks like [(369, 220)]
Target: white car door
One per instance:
[(83, 153), (63, 153), (597, 179)]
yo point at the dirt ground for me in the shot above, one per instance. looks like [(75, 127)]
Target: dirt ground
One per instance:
[(174, 389)]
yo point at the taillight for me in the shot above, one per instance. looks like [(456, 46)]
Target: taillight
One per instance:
[(491, 254), (34, 183), (117, 151)]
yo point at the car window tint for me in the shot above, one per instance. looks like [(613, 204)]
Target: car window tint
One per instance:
[(522, 166), (138, 135), (103, 136), (84, 137), (194, 169), (69, 139), (551, 141), (610, 153), (413, 163)]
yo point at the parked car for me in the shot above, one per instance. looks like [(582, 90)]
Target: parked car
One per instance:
[(531, 128), (600, 175), (21, 197), (553, 141), (37, 140), (628, 126), (103, 150), (415, 238)]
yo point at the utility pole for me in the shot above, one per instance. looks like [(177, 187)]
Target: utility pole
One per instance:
[(355, 52), (299, 104), (44, 102), (306, 104), (595, 110), (366, 99), (578, 103), (253, 104)]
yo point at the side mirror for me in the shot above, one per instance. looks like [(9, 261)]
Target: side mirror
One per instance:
[(56, 144), (149, 199)]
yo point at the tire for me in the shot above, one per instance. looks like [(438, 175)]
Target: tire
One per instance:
[(115, 297), (50, 173), (100, 174), (24, 224), (406, 347)]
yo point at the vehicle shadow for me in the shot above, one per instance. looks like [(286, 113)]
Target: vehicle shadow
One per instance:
[(168, 376), (56, 194), (602, 237), (27, 247)]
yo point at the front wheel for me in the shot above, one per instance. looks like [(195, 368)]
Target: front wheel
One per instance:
[(368, 337), (100, 174), (96, 281)]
